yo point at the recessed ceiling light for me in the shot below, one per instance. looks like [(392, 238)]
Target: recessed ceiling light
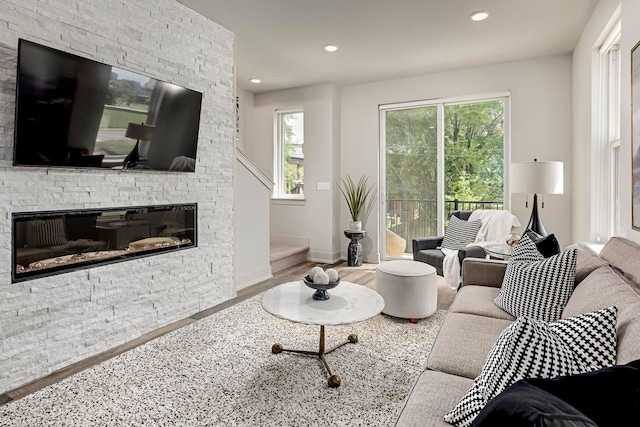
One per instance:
[(256, 81), (480, 15), (330, 48)]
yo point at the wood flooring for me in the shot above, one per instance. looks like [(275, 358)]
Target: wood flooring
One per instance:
[(364, 275)]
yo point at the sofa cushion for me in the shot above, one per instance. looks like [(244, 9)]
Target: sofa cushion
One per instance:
[(586, 261), (460, 233), (535, 286), (525, 405), (623, 254), (431, 398), (604, 288), (463, 343), (433, 257), (472, 299), (531, 348), (483, 272)]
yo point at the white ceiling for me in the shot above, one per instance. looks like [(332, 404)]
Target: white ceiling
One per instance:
[(280, 41)]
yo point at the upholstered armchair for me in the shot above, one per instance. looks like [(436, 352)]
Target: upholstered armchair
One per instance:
[(426, 249)]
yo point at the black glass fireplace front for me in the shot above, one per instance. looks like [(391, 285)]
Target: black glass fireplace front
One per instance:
[(54, 242)]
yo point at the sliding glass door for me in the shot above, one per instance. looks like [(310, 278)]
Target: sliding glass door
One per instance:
[(436, 158)]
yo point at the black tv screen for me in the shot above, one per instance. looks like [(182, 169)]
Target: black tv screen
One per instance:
[(75, 112)]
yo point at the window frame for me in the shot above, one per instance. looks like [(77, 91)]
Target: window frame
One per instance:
[(279, 163), (605, 204), (441, 103)]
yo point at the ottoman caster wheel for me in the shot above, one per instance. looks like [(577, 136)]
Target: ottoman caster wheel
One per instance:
[(334, 381), (276, 348), (353, 338)]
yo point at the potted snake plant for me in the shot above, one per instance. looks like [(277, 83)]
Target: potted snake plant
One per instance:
[(356, 196)]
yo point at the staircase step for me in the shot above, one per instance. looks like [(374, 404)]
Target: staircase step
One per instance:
[(284, 256)]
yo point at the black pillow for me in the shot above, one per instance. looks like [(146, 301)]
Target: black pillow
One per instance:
[(546, 245), (608, 397), (524, 405)]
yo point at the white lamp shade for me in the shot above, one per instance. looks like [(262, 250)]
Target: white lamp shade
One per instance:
[(537, 177)]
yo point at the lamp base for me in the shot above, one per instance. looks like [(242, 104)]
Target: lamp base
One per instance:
[(535, 222), (132, 158)]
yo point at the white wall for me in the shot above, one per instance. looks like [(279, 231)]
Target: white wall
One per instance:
[(251, 202), (314, 219), (630, 36), (51, 322), (246, 119), (540, 126), (584, 122), (585, 78)]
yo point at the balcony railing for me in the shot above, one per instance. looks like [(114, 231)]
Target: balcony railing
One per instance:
[(411, 219)]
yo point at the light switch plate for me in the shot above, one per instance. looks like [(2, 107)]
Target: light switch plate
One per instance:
[(323, 186)]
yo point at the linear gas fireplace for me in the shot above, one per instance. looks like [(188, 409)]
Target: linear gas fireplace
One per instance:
[(54, 242)]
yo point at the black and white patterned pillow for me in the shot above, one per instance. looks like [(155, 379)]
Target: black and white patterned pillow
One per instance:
[(460, 233), (536, 286), (532, 348)]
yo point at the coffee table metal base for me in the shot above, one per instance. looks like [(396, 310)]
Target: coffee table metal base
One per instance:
[(334, 380)]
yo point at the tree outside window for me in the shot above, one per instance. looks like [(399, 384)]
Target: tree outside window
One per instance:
[(290, 154)]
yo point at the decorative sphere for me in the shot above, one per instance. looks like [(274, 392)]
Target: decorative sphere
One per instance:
[(321, 278), (314, 271), (333, 274)]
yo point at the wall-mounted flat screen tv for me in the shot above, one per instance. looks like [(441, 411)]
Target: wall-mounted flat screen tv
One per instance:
[(75, 112)]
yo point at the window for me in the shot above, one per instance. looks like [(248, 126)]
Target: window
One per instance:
[(289, 155), (437, 157), (606, 203)]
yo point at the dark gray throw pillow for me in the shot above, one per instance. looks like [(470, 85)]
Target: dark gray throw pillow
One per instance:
[(524, 405), (546, 245)]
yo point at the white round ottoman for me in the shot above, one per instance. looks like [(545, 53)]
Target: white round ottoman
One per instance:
[(408, 288)]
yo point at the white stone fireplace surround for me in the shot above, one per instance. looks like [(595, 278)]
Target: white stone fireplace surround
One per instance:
[(51, 322)]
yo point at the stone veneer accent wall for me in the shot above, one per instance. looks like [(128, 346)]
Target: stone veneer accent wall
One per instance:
[(49, 323)]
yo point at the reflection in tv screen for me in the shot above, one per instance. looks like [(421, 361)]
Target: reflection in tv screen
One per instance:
[(75, 112)]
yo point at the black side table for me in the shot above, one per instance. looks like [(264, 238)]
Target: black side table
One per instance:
[(354, 252)]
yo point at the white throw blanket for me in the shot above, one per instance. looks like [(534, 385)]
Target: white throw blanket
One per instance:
[(496, 225)]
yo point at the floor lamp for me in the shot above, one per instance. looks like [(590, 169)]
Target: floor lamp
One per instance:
[(537, 178), (140, 132)]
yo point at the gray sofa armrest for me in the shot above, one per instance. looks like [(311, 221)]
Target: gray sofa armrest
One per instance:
[(471, 252), (483, 272), (426, 243)]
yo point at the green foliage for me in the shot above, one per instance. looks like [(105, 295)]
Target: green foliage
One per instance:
[(127, 92), (473, 152), (293, 171), (120, 118), (356, 195)]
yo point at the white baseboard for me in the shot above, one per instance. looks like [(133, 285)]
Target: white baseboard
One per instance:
[(246, 280), (324, 257), (290, 240)]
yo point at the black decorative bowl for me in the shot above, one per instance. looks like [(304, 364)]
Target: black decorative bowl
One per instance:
[(321, 293)]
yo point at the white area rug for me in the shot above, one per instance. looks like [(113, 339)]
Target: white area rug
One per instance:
[(220, 371)]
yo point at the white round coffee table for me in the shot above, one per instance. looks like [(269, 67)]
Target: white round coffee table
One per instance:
[(348, 303)]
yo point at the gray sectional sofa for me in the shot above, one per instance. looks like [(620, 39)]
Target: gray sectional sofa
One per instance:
[(474, 323)]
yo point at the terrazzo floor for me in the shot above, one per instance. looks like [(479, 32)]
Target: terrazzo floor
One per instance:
[(219, 371)]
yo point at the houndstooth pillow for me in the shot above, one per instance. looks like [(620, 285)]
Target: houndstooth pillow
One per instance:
[(536, 286), (460, 233), (532, 348)]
